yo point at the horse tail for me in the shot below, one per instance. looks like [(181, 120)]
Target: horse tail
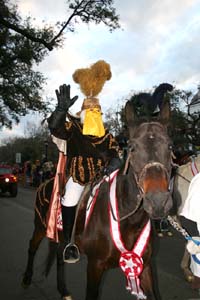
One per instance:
[(43, 196)]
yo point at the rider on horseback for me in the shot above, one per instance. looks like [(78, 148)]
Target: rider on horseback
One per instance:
[(90, 147)]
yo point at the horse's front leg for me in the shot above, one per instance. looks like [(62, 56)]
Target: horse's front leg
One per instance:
[(148, 284), (94, 274)]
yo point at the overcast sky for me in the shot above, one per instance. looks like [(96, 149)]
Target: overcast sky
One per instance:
[(158, 42)]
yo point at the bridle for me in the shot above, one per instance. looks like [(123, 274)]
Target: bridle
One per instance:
[(139, 177), (186, 179), (192, 158), (138, 180)]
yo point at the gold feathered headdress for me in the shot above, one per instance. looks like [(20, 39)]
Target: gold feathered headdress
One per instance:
[(91, 81)]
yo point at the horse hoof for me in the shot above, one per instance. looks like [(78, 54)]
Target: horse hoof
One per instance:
[(190, 278), (195, 284), (160, 234), (67, 298), (25, 285), (169, 233)]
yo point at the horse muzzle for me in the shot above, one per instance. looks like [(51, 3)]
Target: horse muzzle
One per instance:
[(154, 183), (157, 205)]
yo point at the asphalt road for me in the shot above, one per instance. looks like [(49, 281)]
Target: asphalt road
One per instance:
[(16, 225)]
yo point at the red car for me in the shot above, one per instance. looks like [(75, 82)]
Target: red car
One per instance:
[(8, 180)]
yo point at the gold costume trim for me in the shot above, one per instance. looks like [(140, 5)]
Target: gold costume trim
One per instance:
[(101, 140), (81, 168), (68, 125), (91, 167)]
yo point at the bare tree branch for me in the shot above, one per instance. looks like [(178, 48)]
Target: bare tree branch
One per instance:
[(25, 33), (66, 23), (86, 10)]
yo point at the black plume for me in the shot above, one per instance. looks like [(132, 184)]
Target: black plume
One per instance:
[(148, 103), (159, 93)]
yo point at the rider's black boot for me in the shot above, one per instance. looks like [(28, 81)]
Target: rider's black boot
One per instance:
[(71, 253)]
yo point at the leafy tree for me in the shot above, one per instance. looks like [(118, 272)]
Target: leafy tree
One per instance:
[(22, 46), (184, 127), (32, 146), (114, 120)]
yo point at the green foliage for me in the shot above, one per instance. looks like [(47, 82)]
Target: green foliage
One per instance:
[(22, 46), (184, 127), (20, 85), (31, 146)]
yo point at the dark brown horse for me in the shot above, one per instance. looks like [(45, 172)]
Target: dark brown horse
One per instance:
[(142, 192)]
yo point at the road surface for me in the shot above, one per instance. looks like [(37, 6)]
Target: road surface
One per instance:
[(16, 223)]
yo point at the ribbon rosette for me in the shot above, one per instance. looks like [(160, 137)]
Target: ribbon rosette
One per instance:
[(132, 266)]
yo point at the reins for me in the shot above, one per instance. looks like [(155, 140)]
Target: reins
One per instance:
[(127, 163), (138, 196), (183, 177), (127, 215), (192, 160)]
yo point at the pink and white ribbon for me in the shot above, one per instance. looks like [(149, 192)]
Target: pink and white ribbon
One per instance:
[(130, 262), (92, 199), (194, 168)]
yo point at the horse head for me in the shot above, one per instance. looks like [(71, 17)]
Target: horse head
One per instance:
[(150, 150)]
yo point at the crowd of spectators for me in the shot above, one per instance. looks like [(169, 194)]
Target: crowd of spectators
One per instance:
[(34, 173)]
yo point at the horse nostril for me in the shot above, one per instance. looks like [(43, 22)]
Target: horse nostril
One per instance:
[(157, 205)]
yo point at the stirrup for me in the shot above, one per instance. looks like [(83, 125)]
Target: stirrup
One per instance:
[(74, 256)]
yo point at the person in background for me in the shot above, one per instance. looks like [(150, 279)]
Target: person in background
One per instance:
[(90, 147), (37, 173), (191, 211), (27, 173), (47, 170)]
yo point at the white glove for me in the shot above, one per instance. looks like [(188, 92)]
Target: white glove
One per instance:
[(192, 247)]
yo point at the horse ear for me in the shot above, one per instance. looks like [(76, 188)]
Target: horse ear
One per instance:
[(165, 112), (130, 114)]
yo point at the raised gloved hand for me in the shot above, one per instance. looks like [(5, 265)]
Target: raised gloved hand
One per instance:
[(63, 97), (192, 247)]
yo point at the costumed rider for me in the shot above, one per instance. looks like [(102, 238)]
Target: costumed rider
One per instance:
[(90, 147)]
